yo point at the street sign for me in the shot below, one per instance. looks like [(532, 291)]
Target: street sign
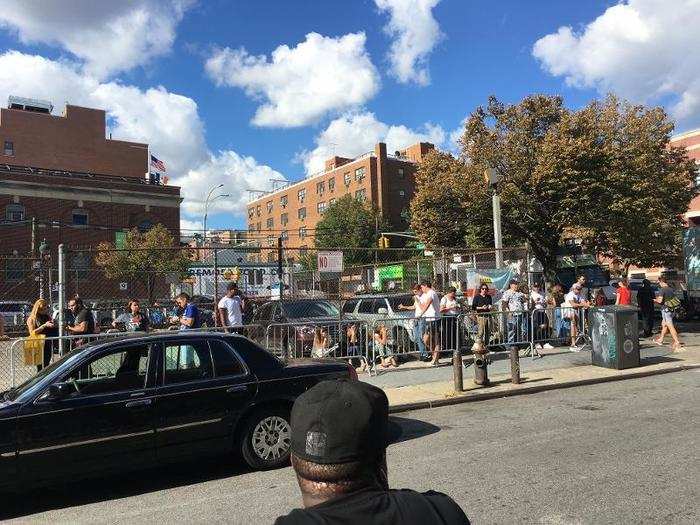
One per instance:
[(330, 261), (123, 286), (119, 240)]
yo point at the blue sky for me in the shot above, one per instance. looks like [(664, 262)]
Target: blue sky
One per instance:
[(198, 80)]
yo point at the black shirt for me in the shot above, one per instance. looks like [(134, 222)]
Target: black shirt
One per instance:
[(480, 300), (645, 298), (85, 315), (405, 507)]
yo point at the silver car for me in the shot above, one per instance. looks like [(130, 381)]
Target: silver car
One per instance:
[(385, 308)]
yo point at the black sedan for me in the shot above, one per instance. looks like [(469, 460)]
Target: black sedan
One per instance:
[(148, 400)]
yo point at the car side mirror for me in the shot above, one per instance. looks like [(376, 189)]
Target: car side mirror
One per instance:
[(57, 392)]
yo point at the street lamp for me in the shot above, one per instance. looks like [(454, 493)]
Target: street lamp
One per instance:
[(206, 206), (493, 177)]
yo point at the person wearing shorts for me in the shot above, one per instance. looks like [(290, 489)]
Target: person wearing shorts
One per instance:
[(666, 297), (430, 310)]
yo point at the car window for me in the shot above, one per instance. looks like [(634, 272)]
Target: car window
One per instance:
[(264, 311), (349, 306), (365, 306), (117, 371), (297, 309), (184, 362), (379, 304), (225, 361), (405, 300)]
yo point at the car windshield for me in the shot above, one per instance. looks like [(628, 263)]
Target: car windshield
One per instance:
[(12, 307), (297, 309), (14, 393), (405, 300)]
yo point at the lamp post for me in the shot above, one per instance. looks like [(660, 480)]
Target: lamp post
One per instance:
[(206, 206), (493, 177)]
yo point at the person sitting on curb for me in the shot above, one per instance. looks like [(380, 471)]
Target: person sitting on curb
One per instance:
[(340, 432)]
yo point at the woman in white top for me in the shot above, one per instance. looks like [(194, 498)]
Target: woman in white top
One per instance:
[(448, 323), (540, 321)]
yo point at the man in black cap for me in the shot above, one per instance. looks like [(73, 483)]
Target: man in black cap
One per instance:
[(340, 433)]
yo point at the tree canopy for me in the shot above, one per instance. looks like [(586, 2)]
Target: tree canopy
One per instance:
[(143, 259), (605, 173)]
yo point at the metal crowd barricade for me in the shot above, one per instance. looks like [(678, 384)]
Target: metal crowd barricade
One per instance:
[(560, 326), (499, 330), (342, 339)]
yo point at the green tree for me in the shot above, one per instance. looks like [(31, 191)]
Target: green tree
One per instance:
[(605, 171), (145, 258), (352, 226)]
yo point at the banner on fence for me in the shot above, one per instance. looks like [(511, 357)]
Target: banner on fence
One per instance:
[(496, 278)]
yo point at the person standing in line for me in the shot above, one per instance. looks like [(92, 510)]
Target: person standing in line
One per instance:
[(133, 320), (540, 320), (599, 298), (585, 291), (482, 304), (40, 322), (189, 319), (339, 437), (231, 308), (449, 311), (555, 301), (623, 293), (667, 299), (575, 303), (645, 302), (419, 323), (513, 301), (429, 308)]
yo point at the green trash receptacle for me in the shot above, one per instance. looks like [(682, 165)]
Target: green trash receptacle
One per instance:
[(614, 336)]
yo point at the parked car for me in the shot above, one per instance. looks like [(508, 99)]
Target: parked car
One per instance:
[(141, 401), (374, 308), (14, 314), (288, 325)]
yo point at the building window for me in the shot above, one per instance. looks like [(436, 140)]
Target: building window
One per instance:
[(303, 251), (257, 210), (301, 195), (14, 213), (270, 223), (284, 219), (259, 227), (270, 240), (269, 207), (251, 213), (79, 217), (331, 185), (9, 148), (331, 202), (321, 207), (301, 213), (401, 175), (283, 201), (302, 233), (144, 226), (359, 174), (285, 235), (79, 266), (360, 195), (320, 187), (15, 269), (347, 179)]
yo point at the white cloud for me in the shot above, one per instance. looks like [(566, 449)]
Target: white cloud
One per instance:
[(299, 85), (415, 32), (640, 49), (188, 226), (169, 122), (107, 36), (353, 134)]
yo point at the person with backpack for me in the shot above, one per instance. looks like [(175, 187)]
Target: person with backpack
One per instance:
[(666, 297)]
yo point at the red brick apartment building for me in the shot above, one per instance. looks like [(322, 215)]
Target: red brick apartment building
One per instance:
[(382, 180), (76, 186)]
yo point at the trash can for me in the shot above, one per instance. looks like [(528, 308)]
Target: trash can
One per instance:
[(614, 336)]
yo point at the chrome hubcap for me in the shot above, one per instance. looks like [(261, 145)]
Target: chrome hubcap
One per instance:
[(271, 438)]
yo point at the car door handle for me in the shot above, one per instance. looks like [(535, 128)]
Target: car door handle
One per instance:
[(139, 403), (236, 389)]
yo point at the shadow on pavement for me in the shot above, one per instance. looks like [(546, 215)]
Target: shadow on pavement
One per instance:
[(34, 500), (114, 486), (652, 360)]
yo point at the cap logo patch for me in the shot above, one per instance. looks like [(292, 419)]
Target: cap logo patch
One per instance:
[(316, 443)]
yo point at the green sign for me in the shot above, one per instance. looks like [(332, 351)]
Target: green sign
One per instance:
[(395, 271), (119, 240)]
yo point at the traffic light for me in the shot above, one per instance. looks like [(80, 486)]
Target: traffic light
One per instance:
[(383, 242)]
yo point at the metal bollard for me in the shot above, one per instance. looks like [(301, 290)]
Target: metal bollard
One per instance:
[(514, 365), (457, 370)]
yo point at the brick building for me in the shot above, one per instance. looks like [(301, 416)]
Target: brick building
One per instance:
[(691, 142), (382, 180), (62, 180)]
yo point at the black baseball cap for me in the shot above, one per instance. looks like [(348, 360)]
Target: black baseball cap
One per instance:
[(340, 421)]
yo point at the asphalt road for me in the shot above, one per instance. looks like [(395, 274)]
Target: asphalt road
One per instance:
[(622, 452)]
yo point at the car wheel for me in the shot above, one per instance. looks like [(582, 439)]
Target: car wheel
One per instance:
[(266, 439)]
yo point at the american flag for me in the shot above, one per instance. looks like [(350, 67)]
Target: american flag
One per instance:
[(157, 163)]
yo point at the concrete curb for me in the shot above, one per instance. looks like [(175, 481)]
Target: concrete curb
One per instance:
[(484, 395)]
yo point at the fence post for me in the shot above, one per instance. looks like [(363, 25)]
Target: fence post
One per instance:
[(216, 287), (61, 294)]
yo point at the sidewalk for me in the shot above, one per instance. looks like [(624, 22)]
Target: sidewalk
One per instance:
[(556, 369)]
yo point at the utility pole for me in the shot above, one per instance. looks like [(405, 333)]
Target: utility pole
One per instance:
[(493, 177), (279, 265)]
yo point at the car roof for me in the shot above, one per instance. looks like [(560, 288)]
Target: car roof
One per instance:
[(379, 296), (159, 336)]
